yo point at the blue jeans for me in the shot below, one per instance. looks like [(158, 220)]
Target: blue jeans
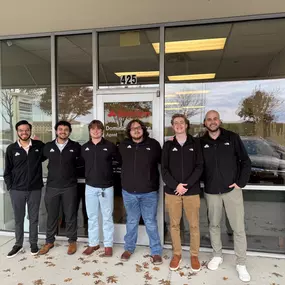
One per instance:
[(94, 201), (145, 205)]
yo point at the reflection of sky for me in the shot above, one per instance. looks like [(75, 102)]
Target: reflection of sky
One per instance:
[(225, 97)]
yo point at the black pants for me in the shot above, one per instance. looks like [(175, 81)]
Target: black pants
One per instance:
[(81, 196), (54, 198), (19, 200)]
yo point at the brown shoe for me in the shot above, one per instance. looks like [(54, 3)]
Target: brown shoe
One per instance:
[(156, 259), (126, 256), (72, 248), (90, 249), (195, 264), (175, 262), (108, 252), (45, 248)]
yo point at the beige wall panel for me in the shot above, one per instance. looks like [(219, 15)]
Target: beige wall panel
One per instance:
[(37, 16)]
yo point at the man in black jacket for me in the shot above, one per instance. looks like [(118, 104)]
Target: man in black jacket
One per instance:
[(23, 177), (226, 170), (182, 167), (98, 154), (61, 188), (140, 183)]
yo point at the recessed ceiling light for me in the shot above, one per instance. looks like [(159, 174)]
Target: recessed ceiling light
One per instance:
[(192, 45), (139, 73), (192, 77)]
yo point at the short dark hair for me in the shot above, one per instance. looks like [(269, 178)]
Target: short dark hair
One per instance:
[(143, 126), (96, 123), (63, 123), (23, 122), (181, 116)]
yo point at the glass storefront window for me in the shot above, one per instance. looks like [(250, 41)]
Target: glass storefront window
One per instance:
[(75, 102), (25, 79), (129, 53), (75, 84), (237, 69)]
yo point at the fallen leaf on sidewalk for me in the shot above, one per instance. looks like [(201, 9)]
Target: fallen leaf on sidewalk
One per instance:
[(277, 274), (38, 282), (147, 276), (95, 261), (166, 256), (138, 268), (99, 282), (86, 273), (145, 265), (85, 261), (50, 257), (164, 282), (76, 268), (204, 263), (156, 268), (22, 259), (225, 278), (67, 279), (97, 274), (112, 279), (24, 268), (20, 283), (181, 273), (51, 264), (119, 263), (147, 256), (6, 270), (80, 259)]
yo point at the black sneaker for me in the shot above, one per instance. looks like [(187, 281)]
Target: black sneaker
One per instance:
[(15, 250), (34, 249)]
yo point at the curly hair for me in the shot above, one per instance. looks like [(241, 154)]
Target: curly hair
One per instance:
[(143, 126)]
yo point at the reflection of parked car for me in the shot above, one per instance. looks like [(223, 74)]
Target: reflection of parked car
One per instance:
[(4, 143), (267, 157)]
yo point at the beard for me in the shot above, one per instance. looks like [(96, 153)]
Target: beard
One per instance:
[(137, 137), (24, 139), (213, 130)]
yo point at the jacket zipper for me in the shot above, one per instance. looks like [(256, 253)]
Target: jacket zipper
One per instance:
[(182, 163), (28, 166), (135, 160), (215, 148)]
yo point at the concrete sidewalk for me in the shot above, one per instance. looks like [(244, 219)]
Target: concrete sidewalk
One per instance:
[(57, 268)]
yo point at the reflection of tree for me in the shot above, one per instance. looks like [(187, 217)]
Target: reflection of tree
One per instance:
[(260, 107), (72, 102), (187, 104), (121, 111), (7, 113)]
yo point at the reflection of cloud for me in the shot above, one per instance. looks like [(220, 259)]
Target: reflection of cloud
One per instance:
[(225, 97)]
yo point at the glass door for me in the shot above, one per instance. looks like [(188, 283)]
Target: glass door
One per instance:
[(116, 110)]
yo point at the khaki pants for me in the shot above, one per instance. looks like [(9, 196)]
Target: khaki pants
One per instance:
[(191, 205), (233, 202)]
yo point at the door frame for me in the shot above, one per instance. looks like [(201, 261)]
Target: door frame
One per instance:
[(137, 95)]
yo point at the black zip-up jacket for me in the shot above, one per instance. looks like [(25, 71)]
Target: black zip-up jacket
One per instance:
[(62, 165), (225, 162), (182, 164), (98, 163), (140, 165), (23, 171)]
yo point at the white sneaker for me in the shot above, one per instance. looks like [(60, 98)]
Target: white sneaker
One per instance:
[(242, 273), (215, 262)]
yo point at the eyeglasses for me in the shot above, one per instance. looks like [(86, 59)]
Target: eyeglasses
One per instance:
[(136, 129), (24, 131)]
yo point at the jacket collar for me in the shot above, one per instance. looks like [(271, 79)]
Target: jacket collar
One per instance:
[(189, 140), (223, 135)]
